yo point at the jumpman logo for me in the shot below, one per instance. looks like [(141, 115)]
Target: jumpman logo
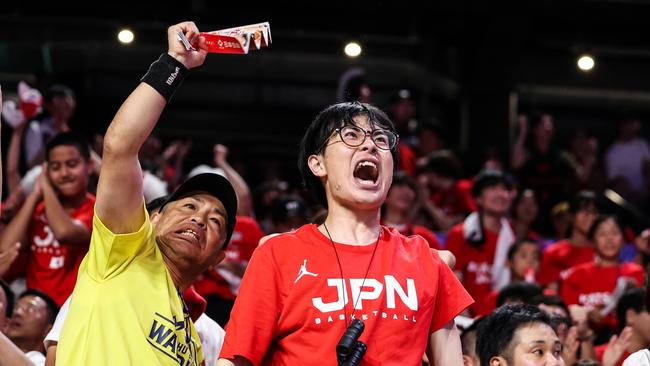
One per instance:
[(303, 271)]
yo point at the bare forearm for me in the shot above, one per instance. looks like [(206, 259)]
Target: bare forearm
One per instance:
[(443, 221), (12, 355), (16, 230), (133, 122), (518, 157), (241, 189), (444, 346), (65, 228), (13, 159)]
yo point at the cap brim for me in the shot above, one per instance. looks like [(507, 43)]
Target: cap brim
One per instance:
[(215, 185)]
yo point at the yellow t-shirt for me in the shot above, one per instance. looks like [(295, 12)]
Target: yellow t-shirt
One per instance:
[(126, 309)]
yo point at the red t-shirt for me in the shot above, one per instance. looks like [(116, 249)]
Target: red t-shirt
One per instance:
[(52, 266), (291, 309), (475, 264), (245, 237), (559, 257), (590, 284), (457, 200), (428, 235), (600, 350), (407, 159), (196, 304)]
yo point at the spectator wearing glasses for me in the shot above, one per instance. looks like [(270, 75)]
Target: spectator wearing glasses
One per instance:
[(347, 158)]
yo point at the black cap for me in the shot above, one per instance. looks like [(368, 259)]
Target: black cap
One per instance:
[(216, 185)]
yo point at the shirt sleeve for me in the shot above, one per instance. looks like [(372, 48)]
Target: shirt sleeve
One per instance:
[(451, 299), (454, 244), (86, 217), (252, 323), (429, 236), (109, 253), (55, 332), (569, 290)]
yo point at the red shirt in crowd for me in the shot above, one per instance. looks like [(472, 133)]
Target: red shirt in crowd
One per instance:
[(457, 200), (407, 158), (475, 264), (560, 257), (591, 285), (245, 237), (293, 306), (428, 235), (52, 266), (196, 304)]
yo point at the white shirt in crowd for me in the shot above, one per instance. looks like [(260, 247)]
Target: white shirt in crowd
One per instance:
[(627, 160), (638, 358), (37, 358)]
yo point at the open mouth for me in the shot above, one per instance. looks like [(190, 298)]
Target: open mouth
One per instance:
[(190, 234), (366, 171)]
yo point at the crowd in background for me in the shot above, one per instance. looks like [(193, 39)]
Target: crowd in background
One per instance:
[(564, 229)]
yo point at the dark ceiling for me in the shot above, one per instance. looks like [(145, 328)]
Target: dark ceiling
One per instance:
[(471, 64)]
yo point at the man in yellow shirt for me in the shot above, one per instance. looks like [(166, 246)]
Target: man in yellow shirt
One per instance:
[(126, 307)]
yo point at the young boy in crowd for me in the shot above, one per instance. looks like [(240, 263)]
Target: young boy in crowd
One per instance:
[(54, 224)]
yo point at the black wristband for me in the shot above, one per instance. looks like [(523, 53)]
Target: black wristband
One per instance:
[(165, 75)]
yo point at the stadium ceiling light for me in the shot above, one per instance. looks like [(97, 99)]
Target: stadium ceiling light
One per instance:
[(125, 36), (352, 49), (586, 63)]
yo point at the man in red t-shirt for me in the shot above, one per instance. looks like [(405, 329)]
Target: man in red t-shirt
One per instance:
[(220, 283), (566, 253), (55, 222), (303, 289), (474, 242), (451, 197)]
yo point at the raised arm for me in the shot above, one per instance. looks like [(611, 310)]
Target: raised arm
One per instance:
[(119, 192), (518, 157), (238, 183)]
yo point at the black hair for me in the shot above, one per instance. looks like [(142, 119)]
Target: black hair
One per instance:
[(57, 90), (518, 244), (599, 221), (320, 130), (496, 332), (9, 294), (444, 163), (464, 343), (523, 291), (52, 307), (68, 139), (632, 299), (489, 178), (582, 200), (287, 206), (551, 300)]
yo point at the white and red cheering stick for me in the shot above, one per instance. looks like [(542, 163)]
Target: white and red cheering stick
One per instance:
[(238, 40)]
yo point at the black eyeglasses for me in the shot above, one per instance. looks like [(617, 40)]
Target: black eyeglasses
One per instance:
[(354, 136)]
